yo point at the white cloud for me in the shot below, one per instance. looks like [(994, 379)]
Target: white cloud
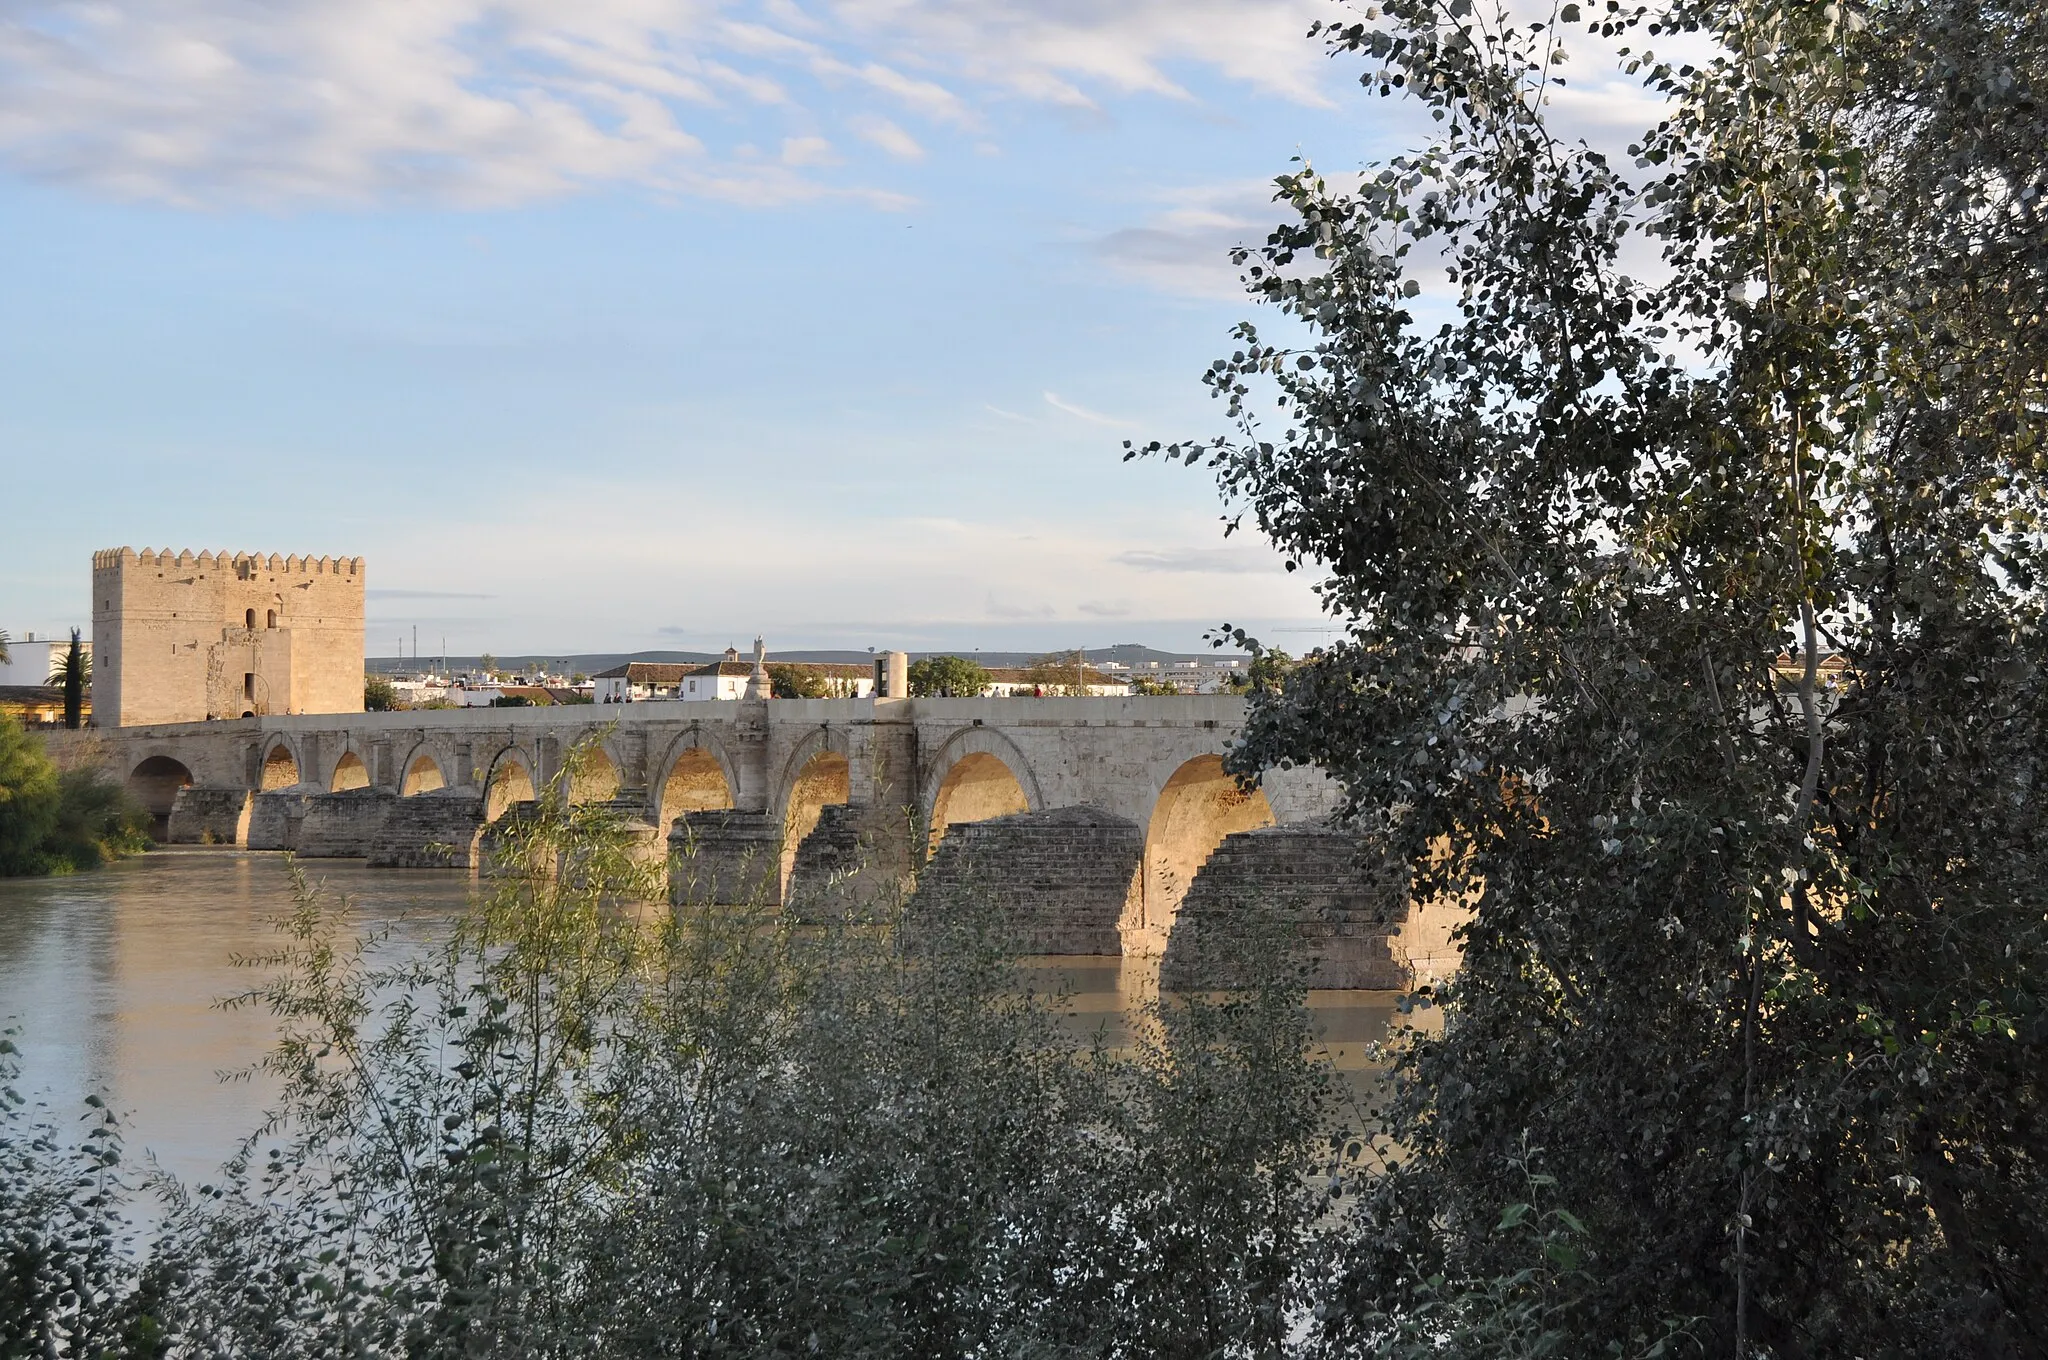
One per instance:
[(887, 135), (487, 102), (807, 151), (1184, 245), (1231, 561), (1083, 413)]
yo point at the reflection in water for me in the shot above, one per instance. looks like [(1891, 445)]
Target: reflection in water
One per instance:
[(114, 977)]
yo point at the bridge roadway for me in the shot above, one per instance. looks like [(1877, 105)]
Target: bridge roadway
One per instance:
[(1107, 820)]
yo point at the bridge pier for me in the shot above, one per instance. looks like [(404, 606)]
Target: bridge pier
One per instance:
[(725, 857), (437, 830), (207, 816), (346, 825), (1326, 892), (275, 816), (1065, 878)]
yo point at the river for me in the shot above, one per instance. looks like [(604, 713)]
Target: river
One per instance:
[(114, 979)]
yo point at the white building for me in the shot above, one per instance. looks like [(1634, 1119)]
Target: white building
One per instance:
[(32, 659), (647, 681)]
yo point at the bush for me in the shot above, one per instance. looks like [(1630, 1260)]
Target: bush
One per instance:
[(573, 1131), (28, 800), (52, 822)]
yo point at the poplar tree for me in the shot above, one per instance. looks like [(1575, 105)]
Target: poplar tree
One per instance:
[(1686, 544)]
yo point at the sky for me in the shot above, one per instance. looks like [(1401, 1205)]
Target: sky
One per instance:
[(618, 324)]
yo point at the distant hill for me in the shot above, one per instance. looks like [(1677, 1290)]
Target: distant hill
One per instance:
[(1134, 654)]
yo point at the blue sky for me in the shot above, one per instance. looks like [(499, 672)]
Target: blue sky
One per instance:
[(650, 323)]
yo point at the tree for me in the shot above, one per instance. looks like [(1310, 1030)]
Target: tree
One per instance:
[(72, 674), (1062, 674), (379, 695), (947, 677), (1266, 673), (788, 680), (1693, 633), (488, 664), (28, 801), (5, 656), (1153, 685)]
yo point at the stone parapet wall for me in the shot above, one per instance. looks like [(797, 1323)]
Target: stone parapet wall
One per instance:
[(1328, 887), (438, 830), (725, 857), (1061, 879), (202, 816), (276, 815), (345, 825)]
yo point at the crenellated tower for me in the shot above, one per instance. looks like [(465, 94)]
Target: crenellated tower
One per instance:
[(181, 637)]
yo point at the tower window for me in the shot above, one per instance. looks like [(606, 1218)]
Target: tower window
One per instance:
[(272, 619), (252, 620), (249, 685)]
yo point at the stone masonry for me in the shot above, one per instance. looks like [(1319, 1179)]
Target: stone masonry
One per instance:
[(182, 638), (1064, 877), (346, 825), (1325, 885), (438, 830), (725, 857), (209, 817), (276, 816)]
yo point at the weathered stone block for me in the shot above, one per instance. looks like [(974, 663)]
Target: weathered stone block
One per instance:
[(725, 858), (1331, 889), (827, 874), (500, 848), (209, 817), (1062, 879), (437, 830), (276, 815), (345, 825)]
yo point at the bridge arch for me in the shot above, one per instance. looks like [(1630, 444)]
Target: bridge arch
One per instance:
[(696, 775), (593, 774), (1196, 808), (976, 775), (155, 782), (281, 767), (818, 774), (349, 773), (424, 772), (509, 780)]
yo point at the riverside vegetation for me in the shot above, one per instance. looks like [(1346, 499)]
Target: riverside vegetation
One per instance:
[(578, 1127), (60, 820)]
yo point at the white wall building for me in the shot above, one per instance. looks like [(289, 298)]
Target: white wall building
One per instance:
[(33, 658)]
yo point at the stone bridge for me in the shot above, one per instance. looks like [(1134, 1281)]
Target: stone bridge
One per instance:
[(1108, 823)]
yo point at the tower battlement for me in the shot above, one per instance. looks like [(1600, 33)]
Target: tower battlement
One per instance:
[(180, 636), (107, 559)]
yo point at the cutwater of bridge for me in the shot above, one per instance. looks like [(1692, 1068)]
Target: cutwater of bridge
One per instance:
[(1101, 818)]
